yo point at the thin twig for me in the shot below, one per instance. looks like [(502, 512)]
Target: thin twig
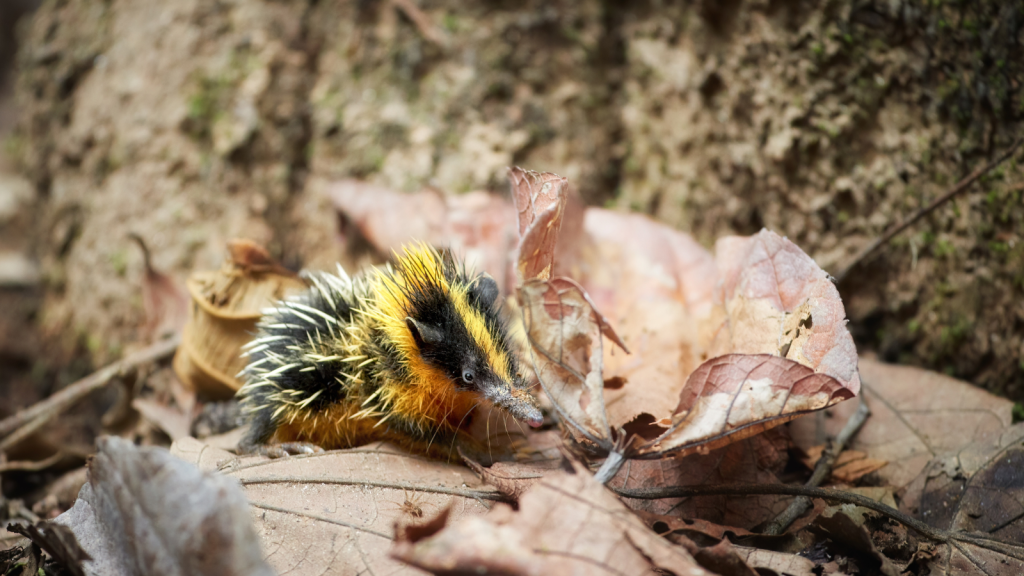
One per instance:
[(35, 416), (822, 470), (325, 453), (422, 22), (930, 532), (897, 228), (31, 466), (320, 518), (476, 494)]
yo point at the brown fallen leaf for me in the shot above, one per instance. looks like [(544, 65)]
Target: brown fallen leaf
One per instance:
[(771, 562), (163, 299), (845, 525), (144, 511), (514, 478), (568, 523), (977, 489), (338, 510), (850, 465), (58, 541), (478, 225), (755, 460), (916, 415), (172, 421)]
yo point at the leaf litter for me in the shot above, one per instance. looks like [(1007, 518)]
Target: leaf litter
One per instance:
[(722, 347)]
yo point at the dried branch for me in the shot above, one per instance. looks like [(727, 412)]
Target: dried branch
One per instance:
[(422, 22), (897, 228), (926, 530), (22, 424), (31, 466), (822, 470)]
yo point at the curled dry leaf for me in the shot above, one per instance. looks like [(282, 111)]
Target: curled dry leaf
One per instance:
[(336, 512), (540, 202), (566, 524), (566, 353), (144, 511), (226, 305)]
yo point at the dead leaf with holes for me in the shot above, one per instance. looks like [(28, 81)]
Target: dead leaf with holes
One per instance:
[(723, 348)]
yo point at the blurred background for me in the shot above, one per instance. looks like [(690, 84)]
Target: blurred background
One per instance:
[(192, 122)]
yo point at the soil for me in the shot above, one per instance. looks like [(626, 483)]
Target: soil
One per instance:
[(193, 122)]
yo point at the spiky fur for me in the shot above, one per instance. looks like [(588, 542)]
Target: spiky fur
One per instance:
[(352, 360)]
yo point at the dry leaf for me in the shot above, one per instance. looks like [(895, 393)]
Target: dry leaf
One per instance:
[(849, 466), (656, 286), (58, 541), (755, 460), (566, 352), (146, 512), (478, 226), (226, 305), (979, 488), (916, 415), (172, 421), (738, 395), (338, 510), (774, 330), (163, 299), (540, 202), (568, 523), (768, 561)]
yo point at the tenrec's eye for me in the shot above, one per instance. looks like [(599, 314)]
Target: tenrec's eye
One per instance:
[(467, 376)]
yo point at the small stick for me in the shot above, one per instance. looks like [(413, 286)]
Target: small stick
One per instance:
[(822, 470), (897, 228), (41, 412), (421, 21), (469, 493), (31, 466)]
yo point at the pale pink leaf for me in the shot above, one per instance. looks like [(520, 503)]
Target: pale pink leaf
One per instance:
[(735, 396), (540, 201)]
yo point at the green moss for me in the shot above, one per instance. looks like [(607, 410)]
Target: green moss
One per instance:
[(943, 248), (450, 22), (119, 260), (999, 247), (1018, 409), (913, 326), (954, 335)]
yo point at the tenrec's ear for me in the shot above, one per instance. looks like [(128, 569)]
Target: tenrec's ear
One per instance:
[(486, 290), (424, 334)]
